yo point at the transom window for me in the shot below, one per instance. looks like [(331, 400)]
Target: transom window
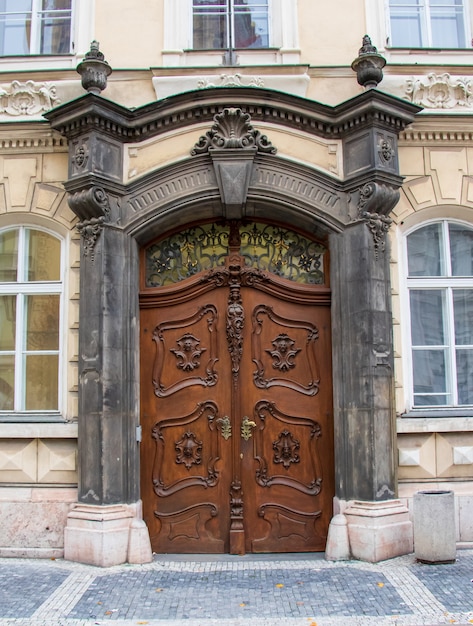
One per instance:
[(440, 284), (427, 23), (35, 27), (30, 304), (230, 24)]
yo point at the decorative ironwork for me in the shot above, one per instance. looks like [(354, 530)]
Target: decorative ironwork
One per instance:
[(225, 427), (283, 352), (188, 353), (189, 450), (232, 129), (247, 427), (263, 246), (285, 449)]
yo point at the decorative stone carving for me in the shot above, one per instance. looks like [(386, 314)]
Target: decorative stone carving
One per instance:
[(90, 203), (81, 155), (380, 198), (232, 129), (440, 91), (386, 151), (231, 80), (188, 353), (28, 98), (368, 65), (94, 70), (90, 231)]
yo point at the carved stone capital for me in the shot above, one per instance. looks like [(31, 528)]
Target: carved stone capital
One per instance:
[(90, 204), (232, 129)]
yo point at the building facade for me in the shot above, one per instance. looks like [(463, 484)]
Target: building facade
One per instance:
[(223, 248)]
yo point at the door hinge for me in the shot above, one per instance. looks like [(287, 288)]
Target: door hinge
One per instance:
[(138, 433)]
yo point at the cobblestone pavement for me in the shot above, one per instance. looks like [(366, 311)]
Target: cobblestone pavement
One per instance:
[(272, 590)]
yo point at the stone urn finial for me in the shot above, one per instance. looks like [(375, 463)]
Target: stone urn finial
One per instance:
[(368, 65), (94, 70)]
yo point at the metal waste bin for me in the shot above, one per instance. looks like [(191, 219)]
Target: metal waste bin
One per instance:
[(434, 527)]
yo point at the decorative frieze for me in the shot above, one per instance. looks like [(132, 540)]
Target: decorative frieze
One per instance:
[(27, 99), (230, 80), (440, 91)]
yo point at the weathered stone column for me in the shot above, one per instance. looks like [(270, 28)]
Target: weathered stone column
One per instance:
[(106, 520), (363, 382)]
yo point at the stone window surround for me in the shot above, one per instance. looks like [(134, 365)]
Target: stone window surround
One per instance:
[(83, 13), (283, 32), (377, 26)]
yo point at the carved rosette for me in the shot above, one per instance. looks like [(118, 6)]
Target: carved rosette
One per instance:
[(232, 129), (374, 201)]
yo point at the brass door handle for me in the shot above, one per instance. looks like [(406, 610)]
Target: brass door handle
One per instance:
[(225, 427), (247, 428)]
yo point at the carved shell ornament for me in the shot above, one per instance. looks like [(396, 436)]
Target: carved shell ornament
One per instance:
[(232, 129)]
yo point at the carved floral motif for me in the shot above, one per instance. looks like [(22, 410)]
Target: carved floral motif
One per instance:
[(188, 352), (440, 91), (189, 450), (283, 352), (28, 98), (231, 80)]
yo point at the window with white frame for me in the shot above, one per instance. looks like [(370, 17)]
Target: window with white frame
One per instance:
[(440, 289), (427, 23), (30, 305), (230, 24), (30, 27)]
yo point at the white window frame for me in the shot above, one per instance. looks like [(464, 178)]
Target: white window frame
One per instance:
[(178, 36), (82, 33), (21, 289), (378, 27), (446, 283)]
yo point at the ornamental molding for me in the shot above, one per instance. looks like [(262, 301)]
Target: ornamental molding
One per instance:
[(39, 142), (232, 129), (27, 99), (230, 80), (440, 91)]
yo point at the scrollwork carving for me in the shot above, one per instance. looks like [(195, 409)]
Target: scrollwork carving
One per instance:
[(285, 449), (90, 231), (440, 91), (375, 196), (283, 352), (189, 450), (188, 352), (90, 203), (27, 98), (232, 129)]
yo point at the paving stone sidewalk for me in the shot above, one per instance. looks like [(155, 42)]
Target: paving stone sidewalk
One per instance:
[(283, 590)]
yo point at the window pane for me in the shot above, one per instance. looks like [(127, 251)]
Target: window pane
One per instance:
[(461, 250), (42, 322), (7, 382), (463, 312), (55, 26), (406, 24), (251, 24), (448, 28), (15, 27), (42, 382), (8, 256), (7, 322), (424, 251), (44, 256), (427, 317), (464, 376), (210, 24), (429, 377)]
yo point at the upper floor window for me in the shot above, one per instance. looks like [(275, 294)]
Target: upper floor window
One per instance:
[(230, 24), (30, 304), (35, 27), (427, 23), (440, 285)]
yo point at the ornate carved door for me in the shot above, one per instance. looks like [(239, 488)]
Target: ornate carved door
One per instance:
[(237, 446)]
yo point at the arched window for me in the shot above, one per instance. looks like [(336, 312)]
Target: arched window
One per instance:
[(30, 304), (440, 290)]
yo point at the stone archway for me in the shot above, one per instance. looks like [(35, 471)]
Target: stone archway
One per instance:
[(232, 173)]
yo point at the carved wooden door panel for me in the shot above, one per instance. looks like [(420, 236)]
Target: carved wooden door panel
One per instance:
[(236, 403)]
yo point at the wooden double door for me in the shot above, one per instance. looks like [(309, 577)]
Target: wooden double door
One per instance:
[(236, 402)]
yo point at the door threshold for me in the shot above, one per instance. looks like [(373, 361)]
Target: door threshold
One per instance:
[(212, 558)]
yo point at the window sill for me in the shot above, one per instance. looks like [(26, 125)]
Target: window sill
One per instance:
[(35, 430), (428, 56), (32, 418), (214, 58), (447, 421), (39, 62)]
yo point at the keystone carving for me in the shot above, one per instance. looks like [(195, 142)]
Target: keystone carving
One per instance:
[(28, 98), (440, 91), (232, 129)]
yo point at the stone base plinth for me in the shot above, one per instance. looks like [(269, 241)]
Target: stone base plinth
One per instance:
[(379, 530), (100, 535)]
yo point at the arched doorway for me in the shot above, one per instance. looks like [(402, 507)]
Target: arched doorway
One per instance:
[(236, 390)]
